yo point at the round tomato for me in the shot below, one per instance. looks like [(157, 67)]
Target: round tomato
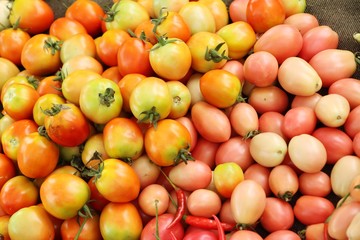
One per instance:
[(64, 27), (181, 99), (348, 88), (63, 195), (226, 177), (168, 143), (50, 84), (44, 102), (93, 150), (82, 62), (66, 125), (7, 168), (78, 44), (90, 230), (156, 228), (8, 69), (299, 120)]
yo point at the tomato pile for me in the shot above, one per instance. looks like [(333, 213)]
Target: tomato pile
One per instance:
[(159, 119)]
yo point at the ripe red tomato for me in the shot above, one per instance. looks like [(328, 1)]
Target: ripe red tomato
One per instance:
[(266, 99), (12, 41), (7, 169), (150, 232), (64, 27), (264, 14), (299, 120)]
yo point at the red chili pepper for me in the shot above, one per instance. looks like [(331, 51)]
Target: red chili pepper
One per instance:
[(207, 223), (220, 229), (181, 207)]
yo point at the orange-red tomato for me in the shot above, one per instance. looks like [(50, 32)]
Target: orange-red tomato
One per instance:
[(64, 27)]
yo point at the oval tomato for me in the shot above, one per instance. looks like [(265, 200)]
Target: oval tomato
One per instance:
[(299, 120), (302, 21), (315, 184), (283, 182), (266, 99), (226, 176), (348, 88), (78, 44)]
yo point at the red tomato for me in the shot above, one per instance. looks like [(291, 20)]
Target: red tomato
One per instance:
[(315, 184), (350, 126), (18, 192), (259, 174), (205, 151), (98, 201), (211, 123), (66, 125), (348, 88), (302, 21), (283, 182), (7, 169), (277, 215), (264, 14), (89, 13), (120, 220), (156, 228), (12, 41), (283, 235), (282, 41), (199, 234), (34, 16), (331, 138), (237, 10), (272, 122), (312, 209), (271, 98), (317, 39), (64, 27), (299, 120)]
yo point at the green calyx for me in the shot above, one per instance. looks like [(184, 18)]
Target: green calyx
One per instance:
[(214, 55)]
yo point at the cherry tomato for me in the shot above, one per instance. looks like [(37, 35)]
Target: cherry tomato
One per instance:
[(244, 119), (226, 176), (299, 120), (203, 203), (283, 182), (146, 170), (259, 174), (315, 184)]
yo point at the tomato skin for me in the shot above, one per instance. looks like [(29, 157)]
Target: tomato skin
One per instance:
[(12, 42), (64, 27), (283, 41), (244, 119), (123, 138), (259, 174), (348, 88), (18, 192), (299, 120), (306, 101), (332, 137), (350, 126), (312, 209), (120, 221), (8, 69), (99, 201), (12, 136), (35, 16), (271, 98), (277, 215), (317, 39), (272, 122), (283, 182), (89, 13), (302, 21), (38, 58), (82, 62), (211, 123), (79, 44), (226, 176), (220, 88), (35, 220), (163, 221), (44, 102), (49, 85), (37, 156), (283, 235), (68, 127), (118, 181), (264, 14), (176, 137), (174, 26), (181, 99), (205, 151), (7, 169), (91, 230), (315, 184)]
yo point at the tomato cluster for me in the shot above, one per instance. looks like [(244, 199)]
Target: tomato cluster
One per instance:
[(176, 119)]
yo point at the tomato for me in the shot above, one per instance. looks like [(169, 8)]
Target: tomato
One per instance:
[(342, 174), (235, 67), (73, 82), (305, 82), (13, 134), (315, 184), (259, 174), (100, 100), (277, 215), (82, 62), (37, 155), (191, 176), (7, 168), (203, 203), (92, 150), (268, 149), (150, 100), (4, 223), (50, 84), (64, 27), (44, 102), (341, 219), (193, 233), (170, 5), (348, 88), (283, 41), (302, 21), (236, 150), (64, 194), (283, 235), (220, 88), (193, 84), (162, 57), (245, 234), (146, 170), (91, 230), (41, 55), (31, 222), (272, 122), (158, 227), (240, 38), (35, 16), (154, 199), (18, 101), (199, 13), (342, 61), (244, 119), (133, 56), (66, 125), (8, 69), (306, 101), (89, 13), (271, 98), (18, 192), (264, 14), (307, 153), (218, 9), (260, 69), (78, 44), (248, 195), (112, 73), (5, 7), (181, 99), (350, 126), (332, 110), (211, 122), (12, 41), (283, 182), (120, 221), (332, 137), (226, 176), (126, 84), (356, 144), (123, 139), (318, 39), (125, 15), (315, 231), (299, 120), (205, 151), (351, 231)]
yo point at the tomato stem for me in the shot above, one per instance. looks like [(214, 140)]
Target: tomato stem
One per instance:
[(157, 234), (302, 233), (55, 109), (86, 215), (287, 196), (52, 45), (150, 115), (357, 57), (160, 19), (214, 55), (184, 155), (107, 98)]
